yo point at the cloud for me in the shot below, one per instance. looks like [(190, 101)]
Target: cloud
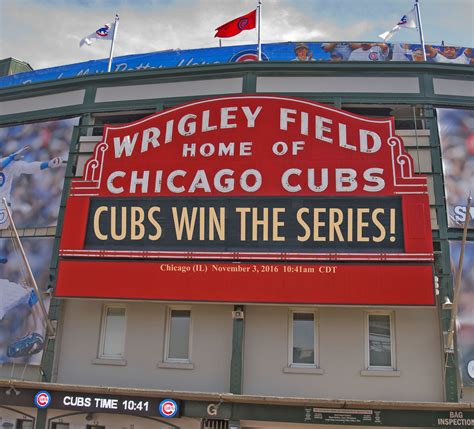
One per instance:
[(46, 33)]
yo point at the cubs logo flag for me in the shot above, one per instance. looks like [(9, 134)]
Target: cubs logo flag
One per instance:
[(237, 25), (106, 32), (406, 21)]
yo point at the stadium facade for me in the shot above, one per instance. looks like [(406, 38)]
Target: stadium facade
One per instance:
[(246, 245)]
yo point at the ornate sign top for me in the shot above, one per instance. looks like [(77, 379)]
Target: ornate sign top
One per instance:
[(251, 145)]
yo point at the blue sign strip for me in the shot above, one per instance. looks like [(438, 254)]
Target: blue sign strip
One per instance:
[(288, 51)]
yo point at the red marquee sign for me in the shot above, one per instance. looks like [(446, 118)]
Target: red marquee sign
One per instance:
[(250, 199)]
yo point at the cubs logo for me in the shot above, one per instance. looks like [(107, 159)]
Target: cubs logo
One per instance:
[(373, 56), (103, 31), (246, 55), (242, 23), (403, 20), (470, 369), (42, 399), (168, 408), (2, 179)]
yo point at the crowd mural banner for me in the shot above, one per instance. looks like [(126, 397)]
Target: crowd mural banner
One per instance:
[(285, 187), (465, 321), (456, 131), (286, 51), (32, 168), (22, 325)]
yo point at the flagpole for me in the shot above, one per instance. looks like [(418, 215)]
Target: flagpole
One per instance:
[(420, 29), (259, 24), (109, 67)]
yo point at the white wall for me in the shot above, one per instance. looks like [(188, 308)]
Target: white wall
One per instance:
[(341, 356), (19, 372), (121, 421), (210, 353), (15, 413), (467, 395), (341, 353)]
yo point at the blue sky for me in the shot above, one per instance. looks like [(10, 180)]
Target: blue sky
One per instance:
[(46, 33)]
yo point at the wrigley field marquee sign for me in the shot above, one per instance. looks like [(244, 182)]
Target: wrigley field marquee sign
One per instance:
[(249, 199)]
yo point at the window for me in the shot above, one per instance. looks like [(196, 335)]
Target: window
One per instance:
[(119, 118), (113, 333), (178, 335), (24, 424), (60, 426), (302, 335), (380, 350)]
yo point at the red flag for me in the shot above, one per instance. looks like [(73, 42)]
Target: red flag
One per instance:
[(234, 27)]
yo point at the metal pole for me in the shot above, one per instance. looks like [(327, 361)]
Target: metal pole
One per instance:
[(420, 29), (28, 268), (457, 279), (109, 67), (259, 24)]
